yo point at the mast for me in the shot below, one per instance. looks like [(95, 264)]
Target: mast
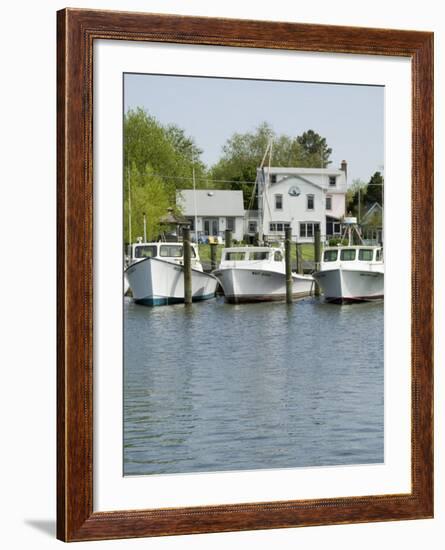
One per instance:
[(261, 185)]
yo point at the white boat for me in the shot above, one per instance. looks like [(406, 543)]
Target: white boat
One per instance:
[(258, 274), (353, 273), (156, 276)]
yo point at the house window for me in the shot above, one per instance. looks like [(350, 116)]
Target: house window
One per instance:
[(310, 202), (230, 224), (332, 181), (278, 226), (278, 202), (307, 229), (252, 227), (328, 203)]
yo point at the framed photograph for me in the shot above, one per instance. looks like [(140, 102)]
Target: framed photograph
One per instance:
[(245, 263)]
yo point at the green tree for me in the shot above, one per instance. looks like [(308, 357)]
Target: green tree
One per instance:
[(148, 195), (166, 150), (314, 149), (158, 160), (243, 153), (374, 192), (356, 194)]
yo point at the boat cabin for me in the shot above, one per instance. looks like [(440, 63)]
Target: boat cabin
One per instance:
[(357, 255), (251, 256), (171, 252)]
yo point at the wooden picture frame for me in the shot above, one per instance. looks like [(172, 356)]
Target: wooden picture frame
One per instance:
[(77, 31)]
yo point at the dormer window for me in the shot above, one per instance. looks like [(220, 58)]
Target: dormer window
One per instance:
[(332, 181)]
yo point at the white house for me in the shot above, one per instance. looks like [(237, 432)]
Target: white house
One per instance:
[(301, 198), (215, 210)]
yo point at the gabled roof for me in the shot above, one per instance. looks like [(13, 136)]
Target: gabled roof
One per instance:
[(299, 177), (376, 208), (210, 202)]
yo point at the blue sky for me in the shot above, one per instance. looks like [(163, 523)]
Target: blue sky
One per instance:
[(211, 110)]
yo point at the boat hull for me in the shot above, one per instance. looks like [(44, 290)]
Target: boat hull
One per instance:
[(249, 285), (155, 282), (347, 286)]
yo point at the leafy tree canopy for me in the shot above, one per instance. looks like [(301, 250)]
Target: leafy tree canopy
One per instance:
[(365, 194), (314, 149), (243, 153), (158, 160), (167, 150)]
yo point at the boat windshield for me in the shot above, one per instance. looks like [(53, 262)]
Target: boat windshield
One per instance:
[(347, 254), (330, 255), (173, 251), (145, 251), (366, 254), (263, 255), (235, 256)]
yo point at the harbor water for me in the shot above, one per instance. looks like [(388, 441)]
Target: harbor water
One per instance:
[(218, 387)]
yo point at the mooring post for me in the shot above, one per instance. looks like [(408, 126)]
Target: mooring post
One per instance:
[(187, 266), (213, 249), (317, 258), (287, 257), (228, 238), (299, 256)]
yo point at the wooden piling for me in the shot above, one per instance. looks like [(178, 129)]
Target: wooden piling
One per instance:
[(287, 257), (228, 237), (317, 258), (187, 266), (213, 249), (299, 256)]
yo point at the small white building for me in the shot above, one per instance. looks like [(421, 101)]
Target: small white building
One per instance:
[(216, 210), (304, 199)]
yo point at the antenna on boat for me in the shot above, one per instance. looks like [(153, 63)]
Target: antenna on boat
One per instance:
[(194, 203), (145, 228), (129, 205)]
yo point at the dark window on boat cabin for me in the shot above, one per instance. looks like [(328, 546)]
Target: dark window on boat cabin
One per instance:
[(230, 224), (235, 256), (145, 251), (258, 255), (173, 251), (330, 255), (378, 255), (278, 202), (273, 178), (366, 254), (347, 254), (310, 202), (278, 256), (332, 181)]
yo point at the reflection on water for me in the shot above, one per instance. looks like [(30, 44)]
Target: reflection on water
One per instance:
[(218, 387)]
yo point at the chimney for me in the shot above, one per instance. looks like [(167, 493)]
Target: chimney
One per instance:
[(344, 168)]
